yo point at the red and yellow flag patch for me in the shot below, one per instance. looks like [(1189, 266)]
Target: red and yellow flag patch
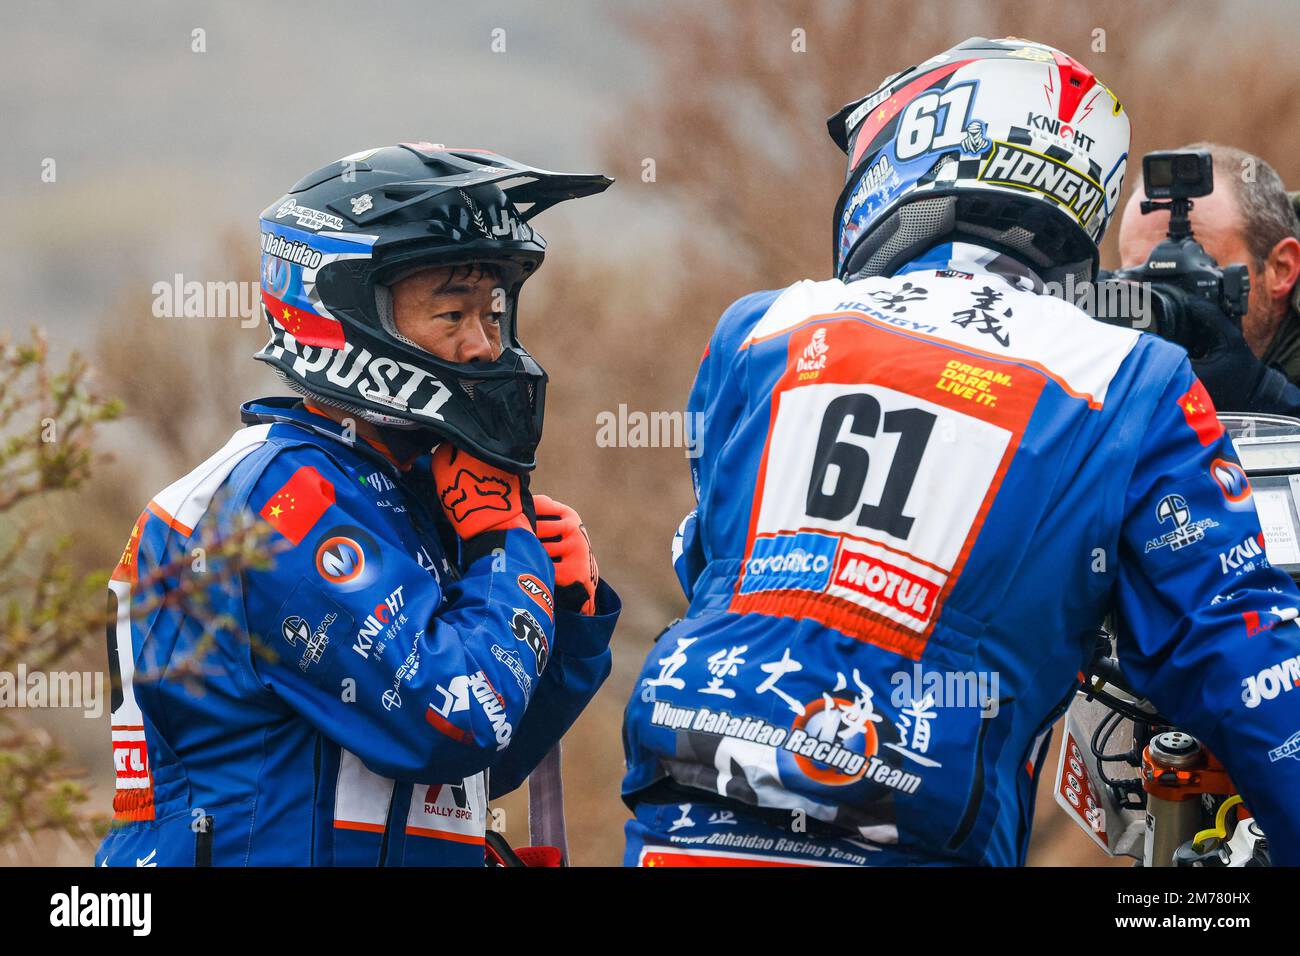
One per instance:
[(295, 508)]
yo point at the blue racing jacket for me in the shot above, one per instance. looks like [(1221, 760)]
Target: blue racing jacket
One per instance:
[(353, 696), (918, 496)]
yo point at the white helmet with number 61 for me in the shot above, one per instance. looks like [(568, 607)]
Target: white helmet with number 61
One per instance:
[(1007, 143)]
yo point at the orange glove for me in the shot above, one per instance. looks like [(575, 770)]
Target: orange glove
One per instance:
[(564, 537), (476, 496)]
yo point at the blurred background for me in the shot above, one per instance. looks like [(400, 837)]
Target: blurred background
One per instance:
[(143, 139)]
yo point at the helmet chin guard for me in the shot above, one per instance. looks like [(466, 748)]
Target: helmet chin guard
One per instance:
[(342, 235)]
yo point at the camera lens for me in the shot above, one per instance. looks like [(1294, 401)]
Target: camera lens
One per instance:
[(1187, 168), (1159, 172)]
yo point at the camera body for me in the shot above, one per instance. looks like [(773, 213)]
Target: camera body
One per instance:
[(1171, 180)]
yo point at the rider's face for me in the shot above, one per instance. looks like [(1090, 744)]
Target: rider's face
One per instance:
[(452, 312)]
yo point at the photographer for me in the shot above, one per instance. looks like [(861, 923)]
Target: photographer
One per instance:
[(1254, 367)]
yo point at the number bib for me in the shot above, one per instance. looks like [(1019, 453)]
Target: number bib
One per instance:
[(884, 453)]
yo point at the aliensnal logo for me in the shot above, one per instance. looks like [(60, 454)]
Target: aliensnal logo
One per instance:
[(1173, 510)]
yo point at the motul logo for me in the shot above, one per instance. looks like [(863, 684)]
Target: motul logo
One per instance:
[(886, 583)]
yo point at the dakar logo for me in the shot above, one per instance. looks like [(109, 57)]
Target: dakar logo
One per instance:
[(812, 362), (974, 141), (470, 493), (361, 204)]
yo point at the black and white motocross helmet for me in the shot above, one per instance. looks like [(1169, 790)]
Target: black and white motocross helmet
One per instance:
[(342, 235)]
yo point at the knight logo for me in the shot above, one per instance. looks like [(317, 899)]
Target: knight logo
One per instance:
[(789, 562), (291, 249), (1020, 168), (385, 380), (813, 360), (340, 559), (1050, 124), (886, 583), (381, 623), (307, 217), (1241, 558), (1257, 622), (535, 589), (1231, 479), (527, 629), (1270, 682), (1289, 749), (1173, 509)]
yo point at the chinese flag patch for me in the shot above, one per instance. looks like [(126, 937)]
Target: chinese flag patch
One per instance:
[(309, 328), (1199, 412), (294, 509)]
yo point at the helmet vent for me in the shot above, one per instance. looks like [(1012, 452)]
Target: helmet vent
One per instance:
[(911, 229)]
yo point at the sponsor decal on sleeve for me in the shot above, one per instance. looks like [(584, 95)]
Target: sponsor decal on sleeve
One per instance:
[(312, 642), (1291, 748), (537, 590), (1173, 510), (1244, 557), (348, 558), (381, 625), (528, 630), (1270, 682), (1198, 412), (1231, 479), (299, 504)]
